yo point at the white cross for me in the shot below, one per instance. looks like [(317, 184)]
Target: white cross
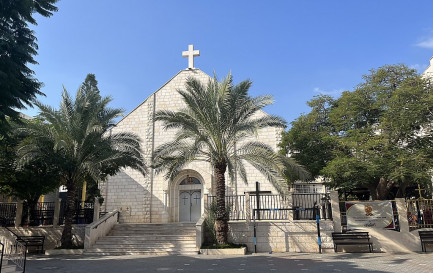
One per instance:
[(191, 53)]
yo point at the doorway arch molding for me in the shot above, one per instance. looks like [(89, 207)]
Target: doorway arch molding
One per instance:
[(175, 189)]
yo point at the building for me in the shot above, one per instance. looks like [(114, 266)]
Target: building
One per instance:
[(153, 198)]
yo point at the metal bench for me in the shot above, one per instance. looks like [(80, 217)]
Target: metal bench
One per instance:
[(352, 238), (426, 238), (35, 242)]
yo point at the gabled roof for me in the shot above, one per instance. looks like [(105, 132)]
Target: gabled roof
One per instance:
[(184, 70)]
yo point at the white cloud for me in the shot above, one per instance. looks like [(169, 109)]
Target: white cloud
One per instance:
[(427, 43), (419, 67), (335, 92)]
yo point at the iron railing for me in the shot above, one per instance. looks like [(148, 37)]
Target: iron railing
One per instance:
[(82, 214), (308, 201), (2, 247), (279, 207), (420, 213), (8, 212), (15, 250), (41, 214), (270, 207), (235, 205), (18, 255)]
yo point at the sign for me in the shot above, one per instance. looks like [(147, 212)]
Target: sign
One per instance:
[(370, 214)]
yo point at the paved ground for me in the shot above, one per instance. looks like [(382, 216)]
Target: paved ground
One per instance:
[(280, 262)]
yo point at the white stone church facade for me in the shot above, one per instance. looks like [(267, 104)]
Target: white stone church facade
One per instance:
[(153, 199)]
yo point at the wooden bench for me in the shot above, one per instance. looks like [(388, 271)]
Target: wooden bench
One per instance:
[(426, 238), (35, 242), (352, 238)]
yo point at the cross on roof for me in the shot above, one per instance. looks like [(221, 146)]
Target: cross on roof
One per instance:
[(191, 53)]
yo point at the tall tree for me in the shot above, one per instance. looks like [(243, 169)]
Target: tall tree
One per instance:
[(381, 133), (76, 140), (218, 125), (30, 181), (309, 134), (18, 46)]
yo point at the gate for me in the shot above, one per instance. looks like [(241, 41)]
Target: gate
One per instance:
[(8, 213), (419, 213), (40, 215)]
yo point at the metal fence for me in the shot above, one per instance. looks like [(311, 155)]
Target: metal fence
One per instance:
[(278, 207), (18, 255), (83, 213), (419, 213), (14, 250), (235, 205), (270, 207), (311, 200), (2, 248), (8, 213), (40, 215)]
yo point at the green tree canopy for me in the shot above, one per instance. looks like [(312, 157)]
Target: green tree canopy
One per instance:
[(26, 182), (18, 46), (75, 137), (378, 136)]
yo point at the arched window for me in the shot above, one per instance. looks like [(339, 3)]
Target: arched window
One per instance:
[(190, 181)]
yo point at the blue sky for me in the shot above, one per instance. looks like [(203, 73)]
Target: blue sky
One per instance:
[(293, 50)]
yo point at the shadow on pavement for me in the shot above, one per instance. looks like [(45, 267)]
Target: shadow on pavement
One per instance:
[(197, 263)]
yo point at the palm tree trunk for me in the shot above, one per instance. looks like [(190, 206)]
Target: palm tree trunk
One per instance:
[(69, 215), (221, 225)]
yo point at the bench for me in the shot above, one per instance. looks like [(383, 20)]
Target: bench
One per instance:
[(426, 238), (36, 242), (352, 238)]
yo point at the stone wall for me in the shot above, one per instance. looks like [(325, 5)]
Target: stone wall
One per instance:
[(52, 234), (282, 236)]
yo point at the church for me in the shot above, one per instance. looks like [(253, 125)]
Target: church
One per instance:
[(152, 198)]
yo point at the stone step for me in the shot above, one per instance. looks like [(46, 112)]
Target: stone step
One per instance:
[(149, 234), (132, 242), (152, 236), (171, 230), (147, 239), (120, 253), (140, 248), (154, 243), (163, 226)]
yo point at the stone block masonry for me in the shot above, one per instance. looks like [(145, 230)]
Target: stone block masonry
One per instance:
[(152, 198), (52, 234), (282, 236)]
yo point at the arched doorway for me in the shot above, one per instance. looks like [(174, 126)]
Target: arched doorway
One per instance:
[(190, 195)]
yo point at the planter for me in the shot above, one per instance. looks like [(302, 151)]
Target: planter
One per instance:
[(76, 251), (224, 251)]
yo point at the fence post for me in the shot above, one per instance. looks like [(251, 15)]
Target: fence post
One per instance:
[(19, 213), (335, 206), (289, 204), (402, 214), (247, 207), (96, 208), (56, 212), (205, 203)]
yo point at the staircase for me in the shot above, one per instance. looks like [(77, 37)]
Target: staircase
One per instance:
[(147, 239), (9, 267)]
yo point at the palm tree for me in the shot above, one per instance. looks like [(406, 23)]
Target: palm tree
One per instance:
[(217, 126), (76, 136)]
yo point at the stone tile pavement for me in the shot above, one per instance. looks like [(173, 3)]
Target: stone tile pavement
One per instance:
[(279, 262)]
